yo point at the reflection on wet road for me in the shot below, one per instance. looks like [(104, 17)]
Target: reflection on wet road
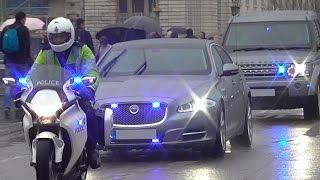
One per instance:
[(285, 147)]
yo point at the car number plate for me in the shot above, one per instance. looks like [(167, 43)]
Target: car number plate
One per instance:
[(140, 134), (263, 92)]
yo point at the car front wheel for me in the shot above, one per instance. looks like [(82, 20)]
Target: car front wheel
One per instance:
[(245, 139), (218, 148)]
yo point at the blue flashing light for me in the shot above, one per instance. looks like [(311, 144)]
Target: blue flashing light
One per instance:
[(268, 29), (77, 80), (308, 85), (23, 81), (282, 69), (114, 106), (155, 140), (81, 122), (156, 104), (111, 137)]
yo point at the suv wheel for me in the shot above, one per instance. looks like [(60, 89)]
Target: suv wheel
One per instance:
[(311, 107)]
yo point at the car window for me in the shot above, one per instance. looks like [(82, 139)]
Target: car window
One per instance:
[(224, 55), (217, 60)]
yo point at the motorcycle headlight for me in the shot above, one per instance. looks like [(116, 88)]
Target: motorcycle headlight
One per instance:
[(45, 105), (197, 105)]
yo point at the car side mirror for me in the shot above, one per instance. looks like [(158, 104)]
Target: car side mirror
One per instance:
[(230, 69), (10, 82)]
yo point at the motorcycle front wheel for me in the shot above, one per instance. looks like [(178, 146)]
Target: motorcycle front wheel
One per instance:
[(45, 167)]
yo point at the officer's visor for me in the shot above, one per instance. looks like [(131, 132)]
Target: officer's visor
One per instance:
[(59, 38)]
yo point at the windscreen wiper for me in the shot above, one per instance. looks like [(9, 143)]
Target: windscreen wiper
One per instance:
[(141, 68), (251, 49), (269, 48), (111, 64)]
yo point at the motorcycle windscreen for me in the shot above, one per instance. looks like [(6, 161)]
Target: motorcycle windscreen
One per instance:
[(49, 77)]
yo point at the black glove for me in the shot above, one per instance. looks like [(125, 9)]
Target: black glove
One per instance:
[(86, 93)]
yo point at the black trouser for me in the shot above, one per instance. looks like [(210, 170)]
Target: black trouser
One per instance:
[(92, 124)]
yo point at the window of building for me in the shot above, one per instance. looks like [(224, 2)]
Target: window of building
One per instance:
[(138, 6), (123, 6)]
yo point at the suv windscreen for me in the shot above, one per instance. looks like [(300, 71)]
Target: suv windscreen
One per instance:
[(260, 35)]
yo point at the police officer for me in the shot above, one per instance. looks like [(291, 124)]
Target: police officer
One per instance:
[(76, 57)]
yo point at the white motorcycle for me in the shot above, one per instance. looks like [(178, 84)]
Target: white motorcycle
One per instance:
[(55, 126)]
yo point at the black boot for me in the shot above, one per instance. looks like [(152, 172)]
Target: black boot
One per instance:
[(94, 158), (7, 113)]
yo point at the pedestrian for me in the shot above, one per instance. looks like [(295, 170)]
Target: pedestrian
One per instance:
[(83, 35), (189, 33), (15, 44), (202, 35), (154, 35), (44, 39)]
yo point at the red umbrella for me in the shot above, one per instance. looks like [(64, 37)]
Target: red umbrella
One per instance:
[(31, 23)]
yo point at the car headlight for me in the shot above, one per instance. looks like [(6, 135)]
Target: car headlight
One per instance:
[(298, 70), (197, 105)]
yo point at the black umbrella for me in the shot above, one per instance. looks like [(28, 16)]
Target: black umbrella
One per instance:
[(147, 24), (178, 29), (111, 29)]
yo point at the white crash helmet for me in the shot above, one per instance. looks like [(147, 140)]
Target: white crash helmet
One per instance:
[(60, 34)]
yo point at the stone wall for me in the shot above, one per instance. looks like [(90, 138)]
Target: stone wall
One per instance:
[(99, 13)]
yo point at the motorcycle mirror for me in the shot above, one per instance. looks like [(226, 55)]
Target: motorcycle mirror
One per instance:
[(88, 81), (9, 81)]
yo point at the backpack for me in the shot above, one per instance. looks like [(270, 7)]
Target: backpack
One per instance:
[(10, 41)]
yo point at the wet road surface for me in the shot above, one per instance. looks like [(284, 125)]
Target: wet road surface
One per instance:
[(285, 147)]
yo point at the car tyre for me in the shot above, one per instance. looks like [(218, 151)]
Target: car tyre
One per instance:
[(245, 139), (218, 148), (311, 108)]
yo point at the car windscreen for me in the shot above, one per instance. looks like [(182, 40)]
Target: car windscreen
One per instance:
[(269, 35), (155, 61)]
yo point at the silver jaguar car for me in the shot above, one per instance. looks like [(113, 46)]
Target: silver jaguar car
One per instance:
[(164, 93)]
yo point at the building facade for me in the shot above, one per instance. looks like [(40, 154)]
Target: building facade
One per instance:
[(200, 15), (261, 5), (43, 9)]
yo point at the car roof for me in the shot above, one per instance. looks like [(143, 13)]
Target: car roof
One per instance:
[(266, 16), (163, 42)]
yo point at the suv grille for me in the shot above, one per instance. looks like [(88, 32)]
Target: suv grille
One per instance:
[(259, 69), (146, 114)]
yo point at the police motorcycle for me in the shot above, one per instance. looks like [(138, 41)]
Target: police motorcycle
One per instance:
[(55, 126)]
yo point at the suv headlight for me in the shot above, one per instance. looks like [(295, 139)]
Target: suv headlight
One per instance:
[(197, 105), (298, 70)]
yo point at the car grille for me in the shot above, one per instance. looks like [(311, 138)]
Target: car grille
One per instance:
[(259, 69), (147, 114)]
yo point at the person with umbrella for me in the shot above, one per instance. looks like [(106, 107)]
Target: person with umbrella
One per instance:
[(15, 44)]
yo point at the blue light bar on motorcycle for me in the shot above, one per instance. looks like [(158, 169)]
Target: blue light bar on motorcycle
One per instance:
[(23, 81), (77, 80)]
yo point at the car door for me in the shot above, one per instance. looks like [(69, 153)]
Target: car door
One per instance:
[(225, 87), (237, 89)]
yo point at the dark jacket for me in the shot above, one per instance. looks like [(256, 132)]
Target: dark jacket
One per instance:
[(84, 36), (23, 56)]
